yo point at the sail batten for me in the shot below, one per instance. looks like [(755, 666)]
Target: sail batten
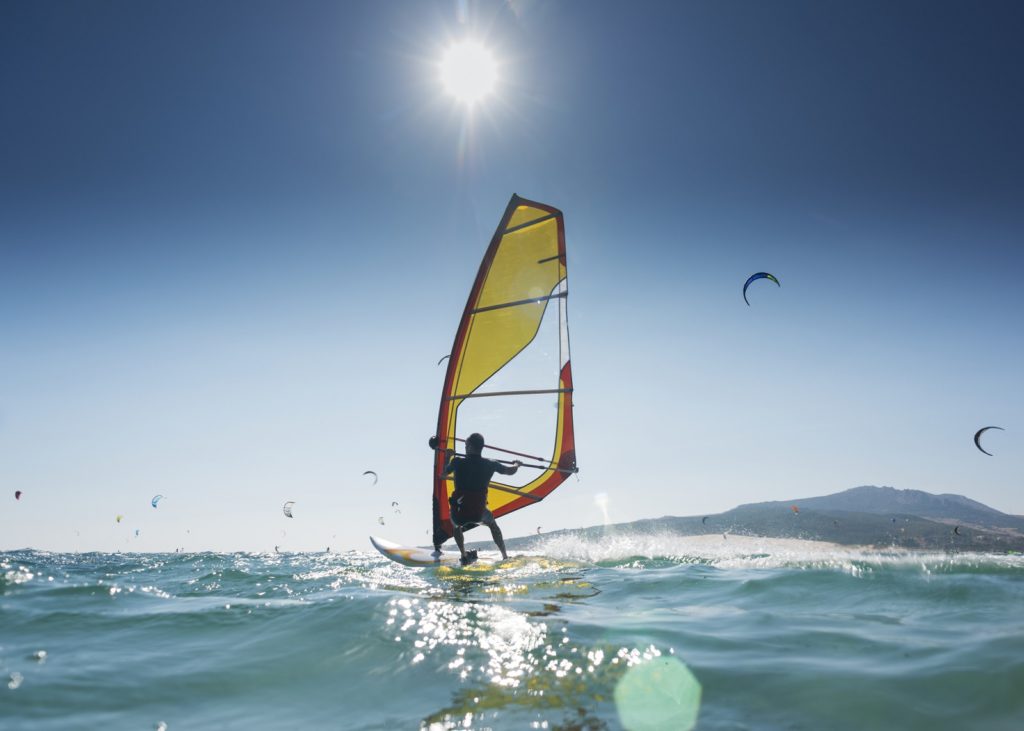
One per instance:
[(514, 491), (521, 226), (500, 336), (517, 303), (525, 392)]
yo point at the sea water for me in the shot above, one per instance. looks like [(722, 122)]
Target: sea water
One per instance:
[(640, 633)]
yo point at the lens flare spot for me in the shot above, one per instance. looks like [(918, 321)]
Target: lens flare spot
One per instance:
[(658, 694)]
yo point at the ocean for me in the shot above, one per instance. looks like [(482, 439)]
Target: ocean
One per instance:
[(654, 632)]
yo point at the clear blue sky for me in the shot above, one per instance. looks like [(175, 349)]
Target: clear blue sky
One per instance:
[(235, 237)]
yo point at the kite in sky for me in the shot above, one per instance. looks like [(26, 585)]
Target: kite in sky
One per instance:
[(754, 278), (977, 437), (287, 508)]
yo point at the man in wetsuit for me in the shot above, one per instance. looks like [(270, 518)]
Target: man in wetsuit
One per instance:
[(468, 503)]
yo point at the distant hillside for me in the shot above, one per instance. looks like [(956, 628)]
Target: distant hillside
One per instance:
[(871, 516), (890, 501)]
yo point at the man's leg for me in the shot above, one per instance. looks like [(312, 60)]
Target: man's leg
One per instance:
[(439, 536), (496, 535), (459, 541)]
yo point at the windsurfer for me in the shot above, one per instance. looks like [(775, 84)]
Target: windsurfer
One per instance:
[(468, 502)]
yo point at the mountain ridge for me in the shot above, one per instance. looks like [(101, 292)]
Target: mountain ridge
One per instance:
[(870, 515)]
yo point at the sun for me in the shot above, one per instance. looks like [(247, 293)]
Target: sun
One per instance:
[(468, 71)]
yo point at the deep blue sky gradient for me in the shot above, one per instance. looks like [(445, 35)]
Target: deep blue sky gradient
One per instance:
[(236, 237)]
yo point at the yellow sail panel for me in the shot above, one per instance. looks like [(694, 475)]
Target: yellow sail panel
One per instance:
[(494, 339), (526, 213), (508, 309), (523, 266)]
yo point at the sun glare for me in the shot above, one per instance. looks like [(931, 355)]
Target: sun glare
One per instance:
[(468, 71)]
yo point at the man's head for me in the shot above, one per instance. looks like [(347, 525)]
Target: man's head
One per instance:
[(474, 443)]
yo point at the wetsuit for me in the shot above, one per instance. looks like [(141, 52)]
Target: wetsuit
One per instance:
[(473, 474)]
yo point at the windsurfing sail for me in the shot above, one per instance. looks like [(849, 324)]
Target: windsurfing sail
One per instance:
[(509, 365)]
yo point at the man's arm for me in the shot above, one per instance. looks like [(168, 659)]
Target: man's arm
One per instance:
[(510, 470), (449, 454), (450, 464)]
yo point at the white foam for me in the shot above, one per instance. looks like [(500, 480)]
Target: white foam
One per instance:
[(738, 551)]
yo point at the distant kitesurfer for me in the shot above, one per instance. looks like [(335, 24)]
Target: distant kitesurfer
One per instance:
[(468, 502)]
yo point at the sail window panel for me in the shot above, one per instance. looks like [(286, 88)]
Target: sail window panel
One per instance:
[(535, 362), (515, 273), (495, 337), (563, 332), (536, 483), (526, 423)]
